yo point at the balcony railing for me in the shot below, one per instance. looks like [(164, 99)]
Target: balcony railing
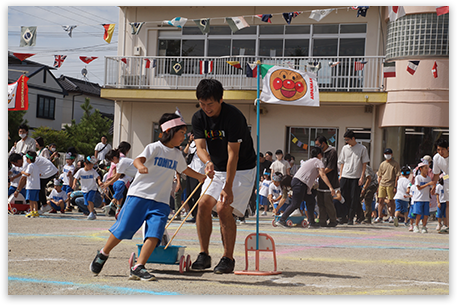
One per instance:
[(131, 72)]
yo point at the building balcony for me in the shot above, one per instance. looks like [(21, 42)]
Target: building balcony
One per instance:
[(132, 72)]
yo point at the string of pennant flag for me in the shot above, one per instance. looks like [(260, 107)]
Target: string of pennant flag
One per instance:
[(29, 33)]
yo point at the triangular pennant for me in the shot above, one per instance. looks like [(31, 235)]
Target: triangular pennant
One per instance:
[(125, 60), (441, 10), (176, 68), (236, 23), (58, 60), (235, 64), (396, 12), (359, 65), (69, 29), (251, 70), (203, 25), (318, 15), (136, 27), (22, 56), (265, 17), (435, 70), (178, 22), (362, 11), (412, 66), (109, 30), (87, 59)]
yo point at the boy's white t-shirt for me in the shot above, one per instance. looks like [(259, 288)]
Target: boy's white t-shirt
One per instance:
[(46, 167), (414, 193), (87, 180), (264, 187), (66, 170), (162, 163), (424, 194), (125, 166), (15, 170), (275, 191), (56, 196), (33, 181), (440, 191), (402, 186)]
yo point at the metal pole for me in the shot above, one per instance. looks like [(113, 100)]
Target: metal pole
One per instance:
[(258, 158)]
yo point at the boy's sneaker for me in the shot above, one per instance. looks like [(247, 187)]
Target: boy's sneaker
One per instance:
[(140, 273), (91, 216), (97, 264), (378, 220), (396, 221), (202, 262), (424, 230), (416, 229), (411, 228), (438, 227), (226, 265), (444, 229), (391, 220), (30, 214), (52, 211), (263, 213), (44, 209)]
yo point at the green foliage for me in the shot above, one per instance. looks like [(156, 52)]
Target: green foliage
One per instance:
[(88, 132), (83, 136), (15, 118)]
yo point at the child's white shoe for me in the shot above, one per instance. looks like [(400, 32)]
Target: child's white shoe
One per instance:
[(416, 229), (424, 230)]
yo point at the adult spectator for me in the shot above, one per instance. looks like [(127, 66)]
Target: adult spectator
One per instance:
[(388, 174), (280, 165), (293, 166), (102, 148), (269, 156), (54, 157), (353, 161), (370, 185), (41, 149), (264, 164), (26, 143), (324, 196)]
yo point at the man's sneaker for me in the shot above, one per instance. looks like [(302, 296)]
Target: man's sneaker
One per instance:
[(282, 223), (263, 213), (202, 262), (424, 230), (391, 220), (140, 273), (226, 265), (416, 229), (314, 225), (97, 264), (396, 221), (44, 209), (91, 216), (378, 220)]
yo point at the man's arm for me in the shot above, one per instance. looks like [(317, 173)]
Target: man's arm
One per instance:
[(233, 149), (364, 168)]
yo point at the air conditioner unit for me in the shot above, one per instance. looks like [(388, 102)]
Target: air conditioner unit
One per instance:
[(137, 51)]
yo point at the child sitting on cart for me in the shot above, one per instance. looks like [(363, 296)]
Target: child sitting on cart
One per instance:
[(148, 195)]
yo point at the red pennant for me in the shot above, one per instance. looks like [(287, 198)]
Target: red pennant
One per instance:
[(87, 59), (22, 56), (435, 70), (124, 60)]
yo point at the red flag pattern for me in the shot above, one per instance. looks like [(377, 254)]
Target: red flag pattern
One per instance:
[(58, 60), (87, 59)]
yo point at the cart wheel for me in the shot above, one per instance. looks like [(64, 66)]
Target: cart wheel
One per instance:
[(132, 259), (182, 264), (14, 210), (188, 263), (304, 223), (290, 223), (274, 222)]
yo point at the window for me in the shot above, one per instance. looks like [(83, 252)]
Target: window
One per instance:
[(301, 139), (46, 107)]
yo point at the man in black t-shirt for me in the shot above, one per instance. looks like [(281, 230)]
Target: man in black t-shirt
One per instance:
[(225, 145), (324, 197)]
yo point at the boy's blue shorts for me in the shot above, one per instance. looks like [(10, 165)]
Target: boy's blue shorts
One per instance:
[(32, 195), (89, 196), (441, 212), (118, 187), (67, 189), (135, 212), (422, 208), (56, 207), (263, 200), (401, 206)]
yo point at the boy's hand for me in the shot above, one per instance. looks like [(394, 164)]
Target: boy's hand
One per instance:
[(143, 170)]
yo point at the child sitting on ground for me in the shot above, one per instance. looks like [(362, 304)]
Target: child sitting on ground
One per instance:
[(148, 196), (57, 197)]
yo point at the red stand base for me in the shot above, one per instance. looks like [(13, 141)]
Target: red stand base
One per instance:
[(266, 244)]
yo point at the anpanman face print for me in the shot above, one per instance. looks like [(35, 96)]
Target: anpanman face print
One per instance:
[(287, 85)]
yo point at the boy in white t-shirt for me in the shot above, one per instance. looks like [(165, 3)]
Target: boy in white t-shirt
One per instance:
[(402, 195), (148, 196), (275, 191), (422, 205), (89, 180), (441, 212), (263, 192), (67, 176), (57, 197), (32, 172)]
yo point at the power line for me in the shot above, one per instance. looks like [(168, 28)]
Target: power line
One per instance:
[(90, 13)]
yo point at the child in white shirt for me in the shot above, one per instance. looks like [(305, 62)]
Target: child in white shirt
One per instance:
[(402, 195), (441, 212), (264, 191), (32, 185), (275, 191), (422, 203), (57, 197), (148, 196), (89, 180)]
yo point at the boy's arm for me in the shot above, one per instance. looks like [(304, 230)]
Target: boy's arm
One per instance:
[(191, 173), (139, 164)]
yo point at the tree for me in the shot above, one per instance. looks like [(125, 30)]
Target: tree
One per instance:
[(87, 133), (15, 118), (58, 137)]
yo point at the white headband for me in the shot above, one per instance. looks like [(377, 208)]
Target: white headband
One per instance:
[(172, 123)]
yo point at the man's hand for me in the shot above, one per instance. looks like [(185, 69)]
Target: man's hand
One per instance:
[(209, 170), (227, 195)]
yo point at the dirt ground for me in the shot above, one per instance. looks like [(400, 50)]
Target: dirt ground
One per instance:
[(51, 255)]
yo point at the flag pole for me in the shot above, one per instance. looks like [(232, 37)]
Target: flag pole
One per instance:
[(258, 158)]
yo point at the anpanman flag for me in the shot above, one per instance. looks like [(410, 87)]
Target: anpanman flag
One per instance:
[(109, 30), (287, 86), (18, 94)]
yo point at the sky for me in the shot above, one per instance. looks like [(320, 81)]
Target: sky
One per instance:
[(87, 38)]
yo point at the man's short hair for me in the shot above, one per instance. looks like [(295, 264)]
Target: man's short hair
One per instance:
[(269, 153), (210, 88), (349, 134), (442, 143), (23, 126), (260, 155), (321, 139)]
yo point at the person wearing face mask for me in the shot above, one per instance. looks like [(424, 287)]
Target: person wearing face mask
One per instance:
[(388, 174), (26, 143)]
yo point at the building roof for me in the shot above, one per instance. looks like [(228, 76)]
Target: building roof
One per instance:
[(77, 85)]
